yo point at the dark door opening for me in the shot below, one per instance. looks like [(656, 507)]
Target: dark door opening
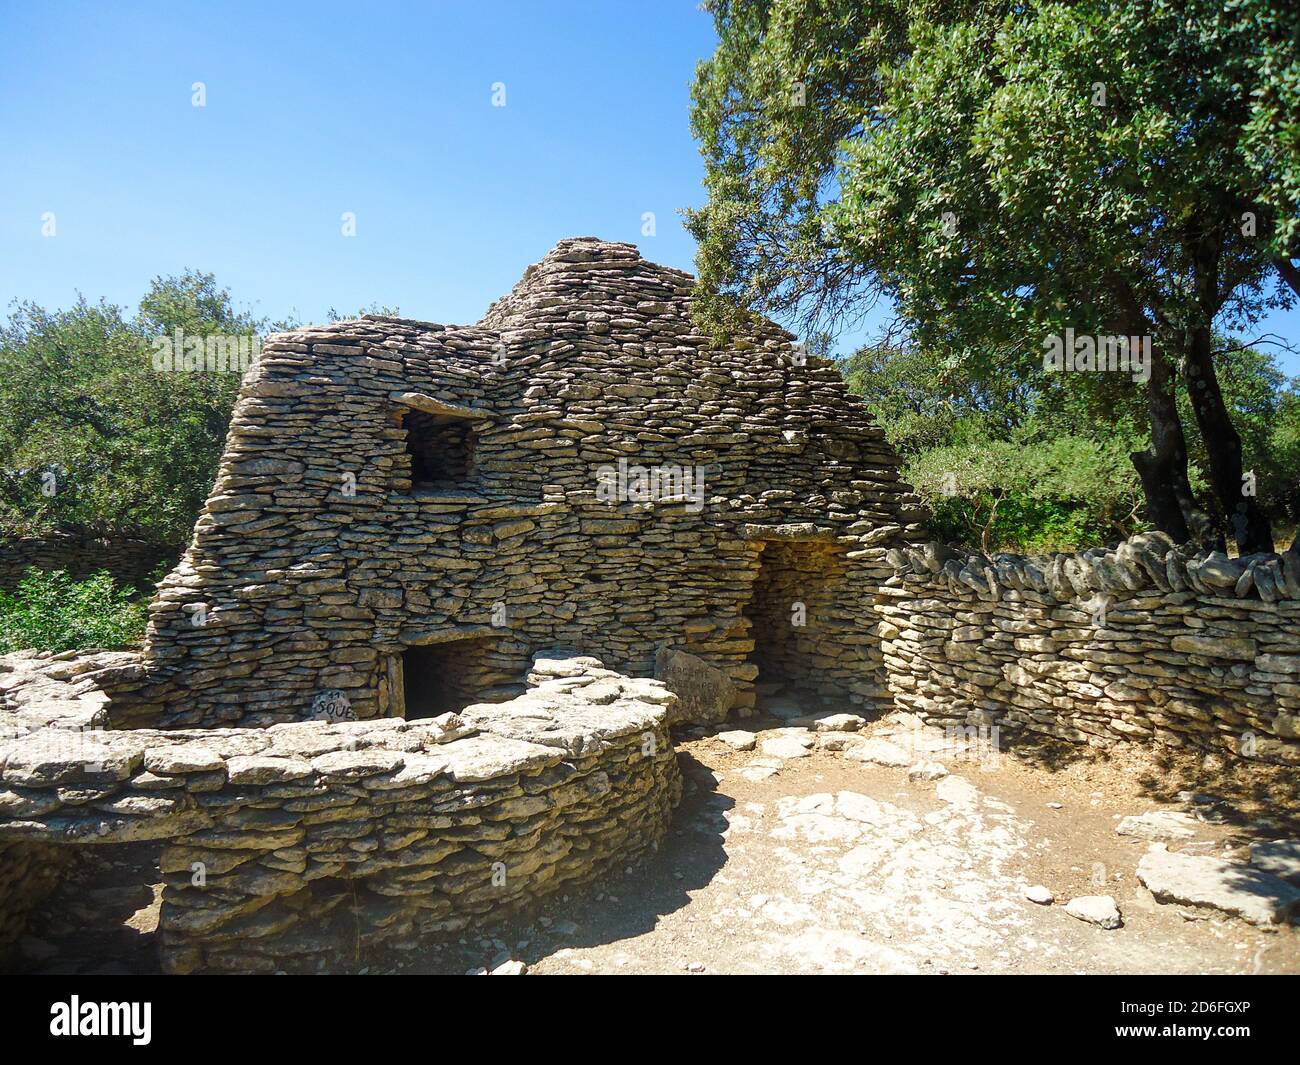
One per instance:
[(788, 612), (442, 677)]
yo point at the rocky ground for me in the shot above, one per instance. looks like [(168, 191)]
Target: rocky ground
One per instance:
[(894, 849)]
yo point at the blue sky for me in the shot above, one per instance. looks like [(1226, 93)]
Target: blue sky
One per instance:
[(382, 109)]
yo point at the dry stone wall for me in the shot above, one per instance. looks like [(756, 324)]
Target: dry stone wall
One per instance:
[(131, 562), (620, 481), (1146, 642), (407, 513), (404, 514), (304, 846)]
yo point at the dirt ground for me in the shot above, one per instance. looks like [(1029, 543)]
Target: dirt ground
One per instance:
[(831, 865)]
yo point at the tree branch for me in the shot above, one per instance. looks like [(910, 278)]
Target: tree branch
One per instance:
[(1289, 273)]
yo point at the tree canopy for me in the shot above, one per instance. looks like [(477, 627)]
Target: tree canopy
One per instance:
[(1022, 463), (91, 434), (1005, 172)]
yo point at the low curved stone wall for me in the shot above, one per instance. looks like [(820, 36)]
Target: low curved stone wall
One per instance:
[(1148, 641), (299, 846)]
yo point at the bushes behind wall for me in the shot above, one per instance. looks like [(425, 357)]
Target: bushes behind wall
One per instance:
[(49, 611)]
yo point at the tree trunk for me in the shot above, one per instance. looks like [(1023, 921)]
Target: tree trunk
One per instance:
[(1246, 521), (987, 531), (1162, 467), (1289, 273)]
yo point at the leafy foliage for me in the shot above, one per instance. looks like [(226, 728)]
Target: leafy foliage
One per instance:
[(837, 134), (1034, 492), (1265, 406), (1001, 171), (1013, 461), (129, 448), (51, 612)]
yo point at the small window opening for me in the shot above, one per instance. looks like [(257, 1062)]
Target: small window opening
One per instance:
[(441, 449)]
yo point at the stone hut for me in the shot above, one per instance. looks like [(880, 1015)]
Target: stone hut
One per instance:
[(401, 681), (406, 513)]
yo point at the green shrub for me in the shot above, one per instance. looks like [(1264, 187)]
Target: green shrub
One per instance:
[(50, 611), (1040, 491)]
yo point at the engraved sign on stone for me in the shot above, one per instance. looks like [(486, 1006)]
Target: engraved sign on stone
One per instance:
[(332, 705)]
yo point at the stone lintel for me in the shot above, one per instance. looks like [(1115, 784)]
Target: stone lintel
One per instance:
[(446, 634), (795, 532), (430, 405)]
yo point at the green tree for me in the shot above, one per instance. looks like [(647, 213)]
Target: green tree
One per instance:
[(1264, 405), (1005, 171), (1036, 490), (1000, 460), (92, 434), (943, 421)]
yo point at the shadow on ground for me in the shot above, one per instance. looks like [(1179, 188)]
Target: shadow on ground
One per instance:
[(101, 919), (1258, 798)]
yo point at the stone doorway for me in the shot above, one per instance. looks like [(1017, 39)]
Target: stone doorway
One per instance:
[(791, 614), (440, 677)]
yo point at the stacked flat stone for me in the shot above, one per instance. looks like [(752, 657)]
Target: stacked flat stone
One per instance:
[(316, 563), (44, 691), (1146, 640), (319, 562), (297, 846), (131, 562)]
